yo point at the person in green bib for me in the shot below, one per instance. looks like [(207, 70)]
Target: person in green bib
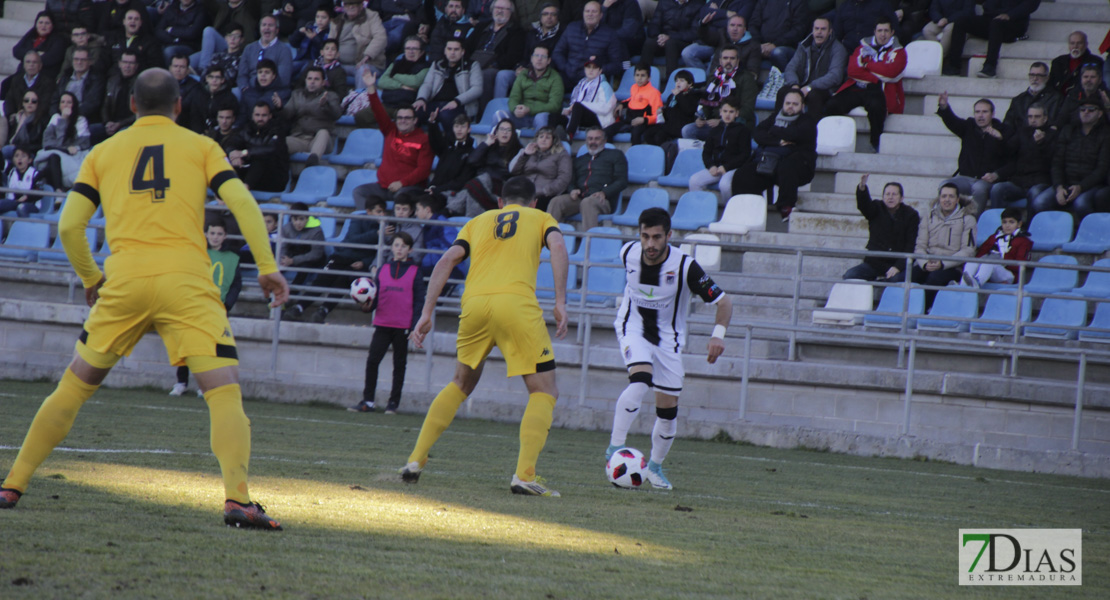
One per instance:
[(225, 274)]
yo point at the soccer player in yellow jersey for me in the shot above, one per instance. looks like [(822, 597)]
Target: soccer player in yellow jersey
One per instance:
[(151, 180), (499, 308)]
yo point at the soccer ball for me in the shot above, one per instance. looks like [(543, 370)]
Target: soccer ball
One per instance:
[(363, 290), (626, 467)]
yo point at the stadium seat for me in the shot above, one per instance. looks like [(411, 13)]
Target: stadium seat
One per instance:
[(699, 76), (1062, 312), (707, 255), (604, 284), (891, 302), (35, 236), (601, 249), (1051, 229), (1052, 281), (577, 218), (1002, 307), (361, 147), (327, 219), (342, 233), (57, 255), (1093, 236), (546, 279), (923, 58), (1101, 320), (645, 163), (743, 213), (624, 92), (694, 211), (568, 236), (489, 116), (261, 196), (845, 296), (687, 163), (345, 120), (345, 198), (836, 135), (1097, 284), (641, 200), (988, 223), (300, 157), (950, 305), (314, 185)]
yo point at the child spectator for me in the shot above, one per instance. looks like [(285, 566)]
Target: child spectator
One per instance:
[(264, 87), (305, 256), (641, 109), (453, 170), (728, 147), (227, 276), (20, 175), (1010, 242), (396, 309), (435, 237), (592, 102), (404, 208), (309, 39), (679, 110)]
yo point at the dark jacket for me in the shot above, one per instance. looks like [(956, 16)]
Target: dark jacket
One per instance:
[(607, 172), (303, 255), (93, 88), (445, 31), (145, 45), (43, 86), (887, 232), (535, 37), (980, 153), (179, 27), (1069, 108), (855, 19), (254, 93), (111, 16), (1030, 161), (492, 159), (361, 231), (266, 150), (953, 10), (453, 170), (626, 18), (679, 21), (1082, 159), (678, 112), (780, 22), (1018, 10), (749, 54), (576, 46), (497, 49), (1019, 107), (52, 50), (819, 67), (727, 146), (206, 105), (802, 132), (117, 100), (1062, 78)]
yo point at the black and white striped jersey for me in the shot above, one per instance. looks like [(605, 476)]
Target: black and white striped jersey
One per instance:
[(657, 297)]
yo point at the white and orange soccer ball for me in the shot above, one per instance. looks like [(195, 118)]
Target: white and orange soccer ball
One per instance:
[(363, 290), (626, 468)]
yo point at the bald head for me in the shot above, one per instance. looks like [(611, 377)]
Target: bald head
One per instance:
[(155, 93)]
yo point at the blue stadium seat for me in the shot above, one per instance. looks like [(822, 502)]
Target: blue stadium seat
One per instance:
[(345, 120), (1097, 285), (1051, 229), (948, 306), (694, 210), (1061, 312), (1101, 320), (355, 178), (568, 239), (891, 302), (604, 284), (314, 185), (1052, 281), (36, 236), (601, 249), (1002, 307), (489, 116), (1093, 236), (261, 196), (545, 278), (687, 163), (327, 219), (56, 254), (624, 92), (699, 76), (641, 200), (361, 147), (988, 223), (646, 163), (300, 157)]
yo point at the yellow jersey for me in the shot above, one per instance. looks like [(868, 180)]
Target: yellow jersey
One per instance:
[(151, 182), (504, 248)]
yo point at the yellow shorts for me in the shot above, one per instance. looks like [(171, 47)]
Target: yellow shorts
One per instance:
[(511, 323), (184, 309)]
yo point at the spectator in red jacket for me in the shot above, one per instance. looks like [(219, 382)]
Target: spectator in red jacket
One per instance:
[(1009, 242), (874, 80), (406, 155)]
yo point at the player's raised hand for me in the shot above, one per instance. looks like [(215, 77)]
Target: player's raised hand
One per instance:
[(423, 327), (560, 312), (93, 293), (275, 287), (714, 350)]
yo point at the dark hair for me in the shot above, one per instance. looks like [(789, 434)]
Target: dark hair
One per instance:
[(728, 47), (656, 216), (177, 56), (1012, 213), (985, 101), (461, 118), (1090, 67), (298, 206), (404, 237), (884, 20), (373, 201), (794, 92), (1039, 64), (949, 185), (685, 76), (233, 27), (406, 200), (315, 69), (213, 68), (414, 38), (1037, 105), (266, 63), (895, 184), (262, 103), (437, 205), (518, 190), (24, 149), (155, 91), (508, 150), (604, 135), (215, 221), (71, 121), (330, 41), (642, 67), (732, 100)]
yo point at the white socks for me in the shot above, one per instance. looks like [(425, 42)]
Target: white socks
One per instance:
[(628, 407), (662, 436)]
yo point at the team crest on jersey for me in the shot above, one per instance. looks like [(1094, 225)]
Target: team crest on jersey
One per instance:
[(670, 277), (628, 352)]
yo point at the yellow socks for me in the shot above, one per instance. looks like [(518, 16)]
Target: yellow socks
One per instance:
[(439, 417), (50, 427), (534, 426), (231, 439)]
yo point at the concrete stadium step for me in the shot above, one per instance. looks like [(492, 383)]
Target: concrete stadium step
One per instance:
[(1058, 31), (13, 28), (1089, 12), (921, 124), (845, 204), (22, 11), (800, 240), (883, 163), (8, 65), (829, 224), (768, 263), (1009, 69), (913, 185), (971, 86), (913, 144), (1031, 49)]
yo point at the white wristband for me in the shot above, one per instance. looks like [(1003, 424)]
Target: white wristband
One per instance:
[(719, 332)]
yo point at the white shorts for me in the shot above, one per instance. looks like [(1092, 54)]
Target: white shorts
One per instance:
[(666, 365)]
